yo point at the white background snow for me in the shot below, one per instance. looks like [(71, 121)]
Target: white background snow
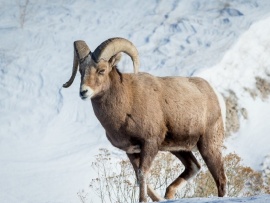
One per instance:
[(49, 136)]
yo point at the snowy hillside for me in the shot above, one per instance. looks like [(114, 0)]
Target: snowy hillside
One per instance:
[(49, 136), (245, 69)]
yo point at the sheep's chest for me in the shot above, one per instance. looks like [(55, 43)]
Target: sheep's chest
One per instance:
[(120, 141), (127, 126)]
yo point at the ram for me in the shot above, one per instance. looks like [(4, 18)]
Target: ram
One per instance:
[(143, 114)]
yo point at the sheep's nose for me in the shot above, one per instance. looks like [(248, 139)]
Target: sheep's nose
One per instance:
[(82, 93)]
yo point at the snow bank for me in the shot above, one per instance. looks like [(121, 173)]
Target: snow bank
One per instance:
[(255, 199), (48, 136), (237, 71)]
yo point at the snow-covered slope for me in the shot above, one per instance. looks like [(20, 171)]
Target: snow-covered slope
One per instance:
[(48, 136), (247, 60)]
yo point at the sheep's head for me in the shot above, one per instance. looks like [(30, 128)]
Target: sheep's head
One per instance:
[(95, 67)]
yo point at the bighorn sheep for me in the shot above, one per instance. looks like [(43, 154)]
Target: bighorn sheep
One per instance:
[(143, 114)]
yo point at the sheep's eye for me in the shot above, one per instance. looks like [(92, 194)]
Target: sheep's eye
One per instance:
[(101, 72)]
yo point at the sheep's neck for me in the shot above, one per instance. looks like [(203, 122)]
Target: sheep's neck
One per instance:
[(113, 105)]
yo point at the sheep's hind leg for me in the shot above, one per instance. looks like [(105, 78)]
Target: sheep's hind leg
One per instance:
[(192, 167), (135, 161), (212, 155)]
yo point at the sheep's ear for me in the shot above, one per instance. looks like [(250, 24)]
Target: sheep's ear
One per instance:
[(115, 59)]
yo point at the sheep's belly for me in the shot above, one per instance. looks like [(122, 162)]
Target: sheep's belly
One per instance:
[(178, 148), (134, 149)]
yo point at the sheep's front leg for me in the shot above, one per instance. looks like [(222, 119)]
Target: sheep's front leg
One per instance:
[(135, 161), (148, 152)]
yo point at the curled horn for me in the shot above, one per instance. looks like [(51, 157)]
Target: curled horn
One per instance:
[(81, 51), (113, 46)]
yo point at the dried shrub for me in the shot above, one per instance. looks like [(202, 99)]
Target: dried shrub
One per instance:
[(116, 182), (232, 115), (241, 180), (263, 86), (23, 8)]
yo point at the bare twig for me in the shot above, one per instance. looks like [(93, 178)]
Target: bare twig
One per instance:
[(23, 5)]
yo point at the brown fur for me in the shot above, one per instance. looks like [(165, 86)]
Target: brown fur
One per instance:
[(143, 114)]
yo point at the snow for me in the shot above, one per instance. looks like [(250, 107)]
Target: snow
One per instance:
[(255, 199), (236, 71), (49, 136)]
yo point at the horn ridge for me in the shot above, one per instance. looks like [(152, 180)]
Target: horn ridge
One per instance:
[(81, 52), (113, 46)]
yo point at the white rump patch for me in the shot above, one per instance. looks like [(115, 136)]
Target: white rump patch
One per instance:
[(222, 106)]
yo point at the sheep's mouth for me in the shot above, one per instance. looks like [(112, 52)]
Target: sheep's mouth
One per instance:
[(84, 97), (86, 92)]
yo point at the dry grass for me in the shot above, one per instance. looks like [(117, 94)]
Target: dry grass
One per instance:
[(116, 182)]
